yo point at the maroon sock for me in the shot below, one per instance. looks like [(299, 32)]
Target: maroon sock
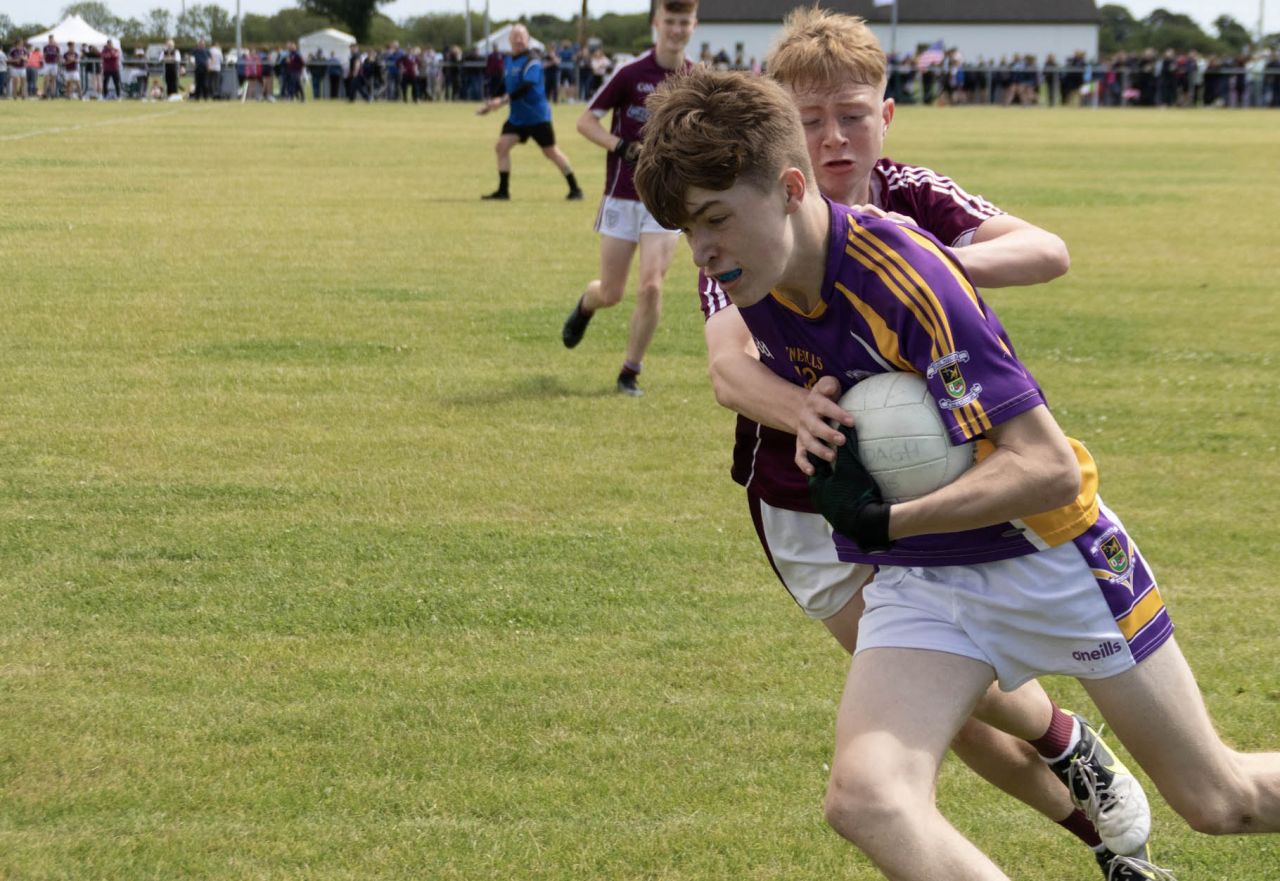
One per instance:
[(1079, 826), (1057, 739)]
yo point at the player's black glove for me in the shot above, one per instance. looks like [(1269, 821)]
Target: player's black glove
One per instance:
[(628, 151), (848, 497)]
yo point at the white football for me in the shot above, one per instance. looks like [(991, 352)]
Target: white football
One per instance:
[(902, 440)]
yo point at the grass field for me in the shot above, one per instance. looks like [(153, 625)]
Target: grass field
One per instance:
[(322, 558)]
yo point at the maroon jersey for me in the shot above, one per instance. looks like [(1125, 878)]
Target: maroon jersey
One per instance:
[(763, 457), (110, 59), (51, 52), (625, 93), (70, 60)]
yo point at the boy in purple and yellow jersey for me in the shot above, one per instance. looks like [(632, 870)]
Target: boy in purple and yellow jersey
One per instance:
[(623, 222), (834, 70), (1014, 570)]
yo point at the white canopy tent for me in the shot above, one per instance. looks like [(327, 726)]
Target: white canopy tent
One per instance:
[(73, 29), (329, 41), (502, 39)]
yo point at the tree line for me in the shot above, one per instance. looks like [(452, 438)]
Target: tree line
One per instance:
[(209, 21)]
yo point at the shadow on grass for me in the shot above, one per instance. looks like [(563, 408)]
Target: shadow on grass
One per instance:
[(525, 388)]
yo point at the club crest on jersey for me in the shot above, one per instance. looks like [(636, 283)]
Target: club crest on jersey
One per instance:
[(948, 367)]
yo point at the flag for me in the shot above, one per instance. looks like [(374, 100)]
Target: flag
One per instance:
[(931, 56)]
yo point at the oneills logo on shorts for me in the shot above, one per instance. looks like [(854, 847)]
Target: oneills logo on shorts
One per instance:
[(1104, 650)]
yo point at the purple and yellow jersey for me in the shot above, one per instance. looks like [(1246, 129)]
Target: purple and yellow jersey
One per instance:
[(763, 456), (625, 93), (894, 299)]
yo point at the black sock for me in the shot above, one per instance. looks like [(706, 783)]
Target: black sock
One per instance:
[(573, 181), (504, 179), (629, 370)]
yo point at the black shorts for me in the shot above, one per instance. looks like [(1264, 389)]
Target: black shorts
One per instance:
[(542, 133)]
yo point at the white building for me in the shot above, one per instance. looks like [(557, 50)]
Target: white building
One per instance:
[(987, 29)]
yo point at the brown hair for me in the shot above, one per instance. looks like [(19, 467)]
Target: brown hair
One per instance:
[(711, 129), (679, 7), (818, 48)]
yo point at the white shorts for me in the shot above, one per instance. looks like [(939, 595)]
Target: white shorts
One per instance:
[(49, 70), (800, 549), (627, 219), (1037, 614)]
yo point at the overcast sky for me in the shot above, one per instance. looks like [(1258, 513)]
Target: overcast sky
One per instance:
[(1203, 11)]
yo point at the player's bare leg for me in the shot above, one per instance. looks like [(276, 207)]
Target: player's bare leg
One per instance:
[(900, 710), (656, 251), (604, 292), (1157, 712), (993, 742)]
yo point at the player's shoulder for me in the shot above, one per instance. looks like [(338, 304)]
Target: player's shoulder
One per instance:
[(902, 175), (641, 67)]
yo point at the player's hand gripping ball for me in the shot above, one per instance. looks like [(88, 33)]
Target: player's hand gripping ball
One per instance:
[(847, 496)]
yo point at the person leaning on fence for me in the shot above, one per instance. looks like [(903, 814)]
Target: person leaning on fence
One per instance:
[(408, 76), (51, 60), (214, 86), (110, 70), (530, 115), (18, 70), (71, 70)]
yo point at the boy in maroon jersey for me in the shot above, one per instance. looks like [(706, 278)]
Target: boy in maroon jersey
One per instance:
[(834, 70), (52, 59), (623, 222), (71, 70), (110, 69)]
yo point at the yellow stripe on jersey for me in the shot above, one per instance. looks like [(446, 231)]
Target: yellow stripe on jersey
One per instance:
[(1141, 614), (817, 312), (959, 277), (931, 247), (913, 285), (913, 289), (858, 251), (1065, 523), (885, 339)]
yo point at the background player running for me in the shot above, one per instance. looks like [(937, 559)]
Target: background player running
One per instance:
[(623, 222)]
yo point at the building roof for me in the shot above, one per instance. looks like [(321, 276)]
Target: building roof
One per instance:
[(912, 11)]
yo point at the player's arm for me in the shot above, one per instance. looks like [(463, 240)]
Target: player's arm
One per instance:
[(591, 128), (1032, 470), (744, 385), (1007, 251)]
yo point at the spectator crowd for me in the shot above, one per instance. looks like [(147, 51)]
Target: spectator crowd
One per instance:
[(574, 73)]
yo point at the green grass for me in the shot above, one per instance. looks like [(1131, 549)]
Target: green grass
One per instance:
[(324, 560)]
